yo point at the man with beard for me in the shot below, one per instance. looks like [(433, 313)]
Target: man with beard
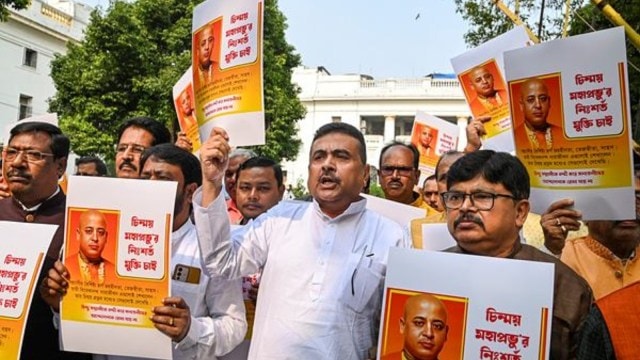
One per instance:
[(608, 256), (323, 262), (35, 157), (134, 136), (399, 175), (487, 98), (423, 326), (487, 204), (204, 317), (236, 158)]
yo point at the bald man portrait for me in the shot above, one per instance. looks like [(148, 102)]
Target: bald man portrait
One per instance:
[(424, 328), (488, 97), (87, 264), (536, 131)]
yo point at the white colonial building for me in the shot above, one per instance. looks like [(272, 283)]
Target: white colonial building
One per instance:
[(383, 110), (29, 41)]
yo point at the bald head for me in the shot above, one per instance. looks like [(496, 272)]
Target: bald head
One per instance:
[(424, 327), (442, 168), (482, 82), (535, 103), (92, 235)]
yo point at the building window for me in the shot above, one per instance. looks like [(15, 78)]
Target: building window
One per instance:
[(30, 58), (25, 107), (372, 125), (336, 119)]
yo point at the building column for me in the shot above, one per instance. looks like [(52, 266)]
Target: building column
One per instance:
[(463, 121), (389, 128)]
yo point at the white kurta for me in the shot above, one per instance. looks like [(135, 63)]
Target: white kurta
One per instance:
[(322, 279)]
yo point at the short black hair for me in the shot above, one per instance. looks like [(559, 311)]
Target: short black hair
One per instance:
[(101, 167), (343, 128), (494, 167), (159, 132), (171, 154), (59, 141), (261, 161), (411, 147)]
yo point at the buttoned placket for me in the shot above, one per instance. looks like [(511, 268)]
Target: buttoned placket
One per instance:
[(326, 244)]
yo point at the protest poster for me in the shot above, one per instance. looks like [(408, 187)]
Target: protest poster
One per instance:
[(124, 231), (22, 253), (571, 123), (185, 110), (432, 137), (436, 237), (481, 75), (400, 213), (479, 307), (227, 69)]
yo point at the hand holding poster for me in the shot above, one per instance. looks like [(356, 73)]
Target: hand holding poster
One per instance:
[(185, 109), (22, 253), (480, 72), (571, 123), (227, 69), (432, 137), (116, 252), (504, 314)]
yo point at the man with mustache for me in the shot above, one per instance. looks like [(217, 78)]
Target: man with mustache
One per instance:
[(487, 204), (608, 256), (323, 262), (236, 158), (399, 175), (134, 136), (424, 328), (536, 132), (259, 187), (487, 98), (88, 263), (34, 158)]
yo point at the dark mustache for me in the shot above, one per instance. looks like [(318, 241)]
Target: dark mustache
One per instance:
[(127, 162), (329, 176), (467, 217), (19, 174)]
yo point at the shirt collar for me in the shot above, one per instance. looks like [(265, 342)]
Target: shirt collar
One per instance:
[(355, 207), (36, 207), (183, 230)]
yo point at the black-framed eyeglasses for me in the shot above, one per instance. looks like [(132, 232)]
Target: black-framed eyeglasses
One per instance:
[(135, 148), (10, 154), (481, 200), (387, 170)]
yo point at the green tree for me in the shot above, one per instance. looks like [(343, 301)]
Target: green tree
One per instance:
[(132, 55), (15, 4)]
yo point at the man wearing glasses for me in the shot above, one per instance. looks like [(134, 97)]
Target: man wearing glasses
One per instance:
[(134, 136), (33, 160), (399, 175), (487, 205)]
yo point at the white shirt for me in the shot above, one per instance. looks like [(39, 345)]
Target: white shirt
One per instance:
[(217, 311), (313, 304)]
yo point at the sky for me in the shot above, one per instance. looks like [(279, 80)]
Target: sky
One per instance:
[(381, 38)]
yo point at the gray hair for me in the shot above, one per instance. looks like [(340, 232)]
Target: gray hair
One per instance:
[(241, 152)]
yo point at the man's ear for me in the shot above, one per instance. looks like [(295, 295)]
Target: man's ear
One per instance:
[(402, 325), (189, 189), (522, 210), (281, 191), (61, 166)]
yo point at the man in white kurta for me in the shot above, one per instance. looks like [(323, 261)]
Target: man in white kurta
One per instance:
[(323, 262)]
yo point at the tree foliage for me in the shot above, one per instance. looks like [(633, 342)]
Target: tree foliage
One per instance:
[(130, 58), (16, 4)]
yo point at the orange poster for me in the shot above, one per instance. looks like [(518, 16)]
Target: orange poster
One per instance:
[(183, 101), (116, 252), (22, 252), (227, 69)]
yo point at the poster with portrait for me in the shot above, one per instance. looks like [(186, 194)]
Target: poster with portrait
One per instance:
[(117, 250), (481, 74), (185, 109), (22, 252), (227, 69), (571, 123), (472, 307), (432, 137)]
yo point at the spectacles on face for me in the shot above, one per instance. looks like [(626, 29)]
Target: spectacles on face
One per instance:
[(135, 148), (10, 154), (481, 200), (402, 170)]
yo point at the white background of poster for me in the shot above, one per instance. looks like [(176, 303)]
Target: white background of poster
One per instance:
[(142, 198), (507, 285), (398, 212), (493, 49), (436, 236), (597, 52), (244, 128)]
